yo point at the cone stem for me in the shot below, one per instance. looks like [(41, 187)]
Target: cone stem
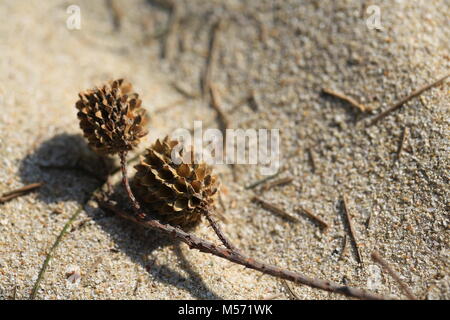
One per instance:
[(207, 247), (126, 183)]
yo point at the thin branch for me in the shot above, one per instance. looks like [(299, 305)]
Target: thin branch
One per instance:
[(212, 52), (184, 91), (406, 99), (207, 247), (219, 232), (312, 158), (378, 259), (351, 229), (317, 219), (347, 99), (278, 182), (264, 180), (116, 14), (170, 40), (19, 192), (275, 209), (216, 104), (402, 142), (290, 290), (126, 183)]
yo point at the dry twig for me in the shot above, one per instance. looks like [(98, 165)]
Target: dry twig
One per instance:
[(312, 158), (216, 104), (378, 259), (402, 142), (264, 180), (275, 209), (19, 192), (317, 219), (219, 232), (184, 91), (351, 228), (207, 247), (407, 98), (290, 290), (347, 99), (170, 39), (116, 14), (278, 182), (212, 53)]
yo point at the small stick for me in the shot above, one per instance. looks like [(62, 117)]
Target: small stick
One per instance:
[(219, 232), (14, 296), (222, 204), (212, 52), (125, 182), (184, 91), (290, 290), (217, 106), (253, 101), (207, 247), (312, 157), (406, 99), (116, 14), (350, 227), (347, 99), (344, 247), (19, 192), (172, 29), (257, 183), (274, 208), (378, 259), (278, 182), (405, 135), (317, 219)]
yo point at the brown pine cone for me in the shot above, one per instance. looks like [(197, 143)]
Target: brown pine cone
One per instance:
[(179, 194), (111, 117)]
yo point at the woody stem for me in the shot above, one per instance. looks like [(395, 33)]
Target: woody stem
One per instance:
[(207, 247), (126, 183)]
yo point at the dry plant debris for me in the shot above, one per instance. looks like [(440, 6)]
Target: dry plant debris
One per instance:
[(351, 228), (378, 259), (347, 99), (399, 104), (271, 207), (19, 192), (402, 143)]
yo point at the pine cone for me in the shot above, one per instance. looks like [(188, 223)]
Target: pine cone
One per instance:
[(111, 117), (179, 194)]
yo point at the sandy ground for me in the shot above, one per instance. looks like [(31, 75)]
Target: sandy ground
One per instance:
[(283, 51)]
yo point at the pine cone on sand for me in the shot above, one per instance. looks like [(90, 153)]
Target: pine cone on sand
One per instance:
[(178, 193), (111, 117)]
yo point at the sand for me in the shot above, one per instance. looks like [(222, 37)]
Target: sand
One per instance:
[(283, 51)]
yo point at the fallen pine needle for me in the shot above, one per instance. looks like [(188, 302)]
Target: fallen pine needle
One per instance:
[(19, 192), (351, 229), (317, 219), (378, 259), (347, 99), (274, 208), (402, 142), (406, 99)]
